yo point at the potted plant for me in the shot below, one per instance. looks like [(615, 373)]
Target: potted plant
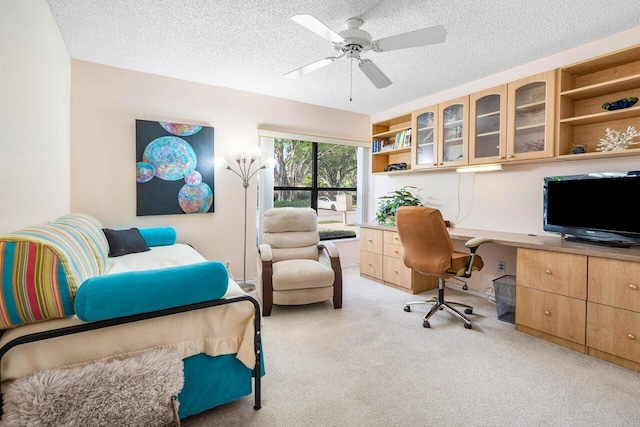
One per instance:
[(387, 205)]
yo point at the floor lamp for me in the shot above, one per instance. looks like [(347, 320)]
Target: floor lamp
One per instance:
[(246, 160)]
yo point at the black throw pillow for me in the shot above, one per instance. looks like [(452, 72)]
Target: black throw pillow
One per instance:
[(123, 242)]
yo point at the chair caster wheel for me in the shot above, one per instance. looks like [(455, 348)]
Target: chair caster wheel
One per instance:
[(467, 325), (407, 308), (468, 311), (426, 324)]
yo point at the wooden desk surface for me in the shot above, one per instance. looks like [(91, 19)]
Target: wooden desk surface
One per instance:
[(547, 242)]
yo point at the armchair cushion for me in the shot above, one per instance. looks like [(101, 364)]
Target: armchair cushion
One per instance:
[(301, 274), (123, 294)]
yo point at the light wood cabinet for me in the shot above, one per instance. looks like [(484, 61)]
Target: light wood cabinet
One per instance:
[(371, 241), (531, 117), (384, 135), (551, 296), (583, 89), (488, 126), (613, 311), (453, 133), (381, 260), (424, 151), (587, 303)]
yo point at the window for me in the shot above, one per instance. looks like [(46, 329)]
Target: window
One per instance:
[(322, 176)]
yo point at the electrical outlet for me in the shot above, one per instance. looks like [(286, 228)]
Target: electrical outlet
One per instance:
[(502, 266)]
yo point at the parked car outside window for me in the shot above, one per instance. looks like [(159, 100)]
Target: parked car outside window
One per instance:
[(326, 203)]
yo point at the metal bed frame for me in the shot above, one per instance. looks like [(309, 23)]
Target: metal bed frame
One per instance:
[(54, 333)]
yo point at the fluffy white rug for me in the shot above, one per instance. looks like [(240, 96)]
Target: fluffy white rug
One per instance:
[(138, 391)]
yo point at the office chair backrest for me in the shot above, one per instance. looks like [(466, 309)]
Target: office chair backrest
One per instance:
[(425, 240), (292, 233)]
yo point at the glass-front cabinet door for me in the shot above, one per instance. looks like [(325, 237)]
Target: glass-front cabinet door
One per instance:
[(531, 109), (488, 126), (423, 150), (453, 132)]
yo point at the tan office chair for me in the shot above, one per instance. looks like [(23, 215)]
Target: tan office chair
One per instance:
[(428, 249), (294, 268)]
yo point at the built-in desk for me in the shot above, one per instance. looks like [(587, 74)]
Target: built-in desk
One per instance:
[(581, 296)]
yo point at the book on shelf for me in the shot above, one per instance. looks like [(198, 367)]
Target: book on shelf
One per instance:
[(407, 138), (400, 137)]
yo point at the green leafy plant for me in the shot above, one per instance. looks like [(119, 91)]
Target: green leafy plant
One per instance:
[(387, 205)]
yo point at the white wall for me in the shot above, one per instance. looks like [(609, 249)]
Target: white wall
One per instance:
[(34, 116), (508, 200), (106, 101)]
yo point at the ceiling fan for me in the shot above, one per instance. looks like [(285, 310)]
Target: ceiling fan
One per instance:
[(353, 42)]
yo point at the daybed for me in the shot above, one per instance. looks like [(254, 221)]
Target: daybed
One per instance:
[(61, 290)]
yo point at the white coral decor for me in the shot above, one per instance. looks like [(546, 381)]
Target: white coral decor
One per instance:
[(616, 141)]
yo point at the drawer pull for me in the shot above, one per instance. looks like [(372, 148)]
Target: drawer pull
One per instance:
[(369, 240), (631, 336), (633, 287), (547, 313), (396, 251), (548, 271)]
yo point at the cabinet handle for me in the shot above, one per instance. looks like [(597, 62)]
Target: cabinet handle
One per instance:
[(500, 157), (547, 313), (396, 251), (631, 336), (510, 156), (548, 271), (633, 287), (369, 240), (435, 164)]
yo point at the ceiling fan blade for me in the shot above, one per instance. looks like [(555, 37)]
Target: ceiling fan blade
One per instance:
[(373, 73), (312, 24), (309, 68), (425, 36)]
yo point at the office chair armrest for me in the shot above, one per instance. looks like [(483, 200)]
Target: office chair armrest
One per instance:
[(331, 249), (476, 241), (265, 252)]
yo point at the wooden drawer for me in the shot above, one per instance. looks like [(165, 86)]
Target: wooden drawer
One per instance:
[(393, 250), (615, 283), (614, 331), (371, 240), (394, 271), (564, 274), (392, 238), (371, 264), (553, 314)]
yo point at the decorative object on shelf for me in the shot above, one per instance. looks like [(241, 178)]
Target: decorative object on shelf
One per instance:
[(578, 148), (620, 104), (387, 205), (617, 141), (531, 146), (396, 167), (245, 159)]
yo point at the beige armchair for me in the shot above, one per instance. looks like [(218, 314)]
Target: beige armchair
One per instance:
[(294, 268)]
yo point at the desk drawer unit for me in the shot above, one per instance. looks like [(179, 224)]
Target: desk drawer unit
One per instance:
[(371, 240), (371, 253), (559, 273), (614, 331), (371, 264), (396, 273), (614, 283), (553, 314), (613, 311)]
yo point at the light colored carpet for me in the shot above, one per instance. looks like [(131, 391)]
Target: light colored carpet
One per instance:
[(372, 364)]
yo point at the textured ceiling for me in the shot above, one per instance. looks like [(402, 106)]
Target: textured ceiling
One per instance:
[(250, 44)]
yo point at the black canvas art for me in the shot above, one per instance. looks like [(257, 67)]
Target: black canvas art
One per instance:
[(174, 168)]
